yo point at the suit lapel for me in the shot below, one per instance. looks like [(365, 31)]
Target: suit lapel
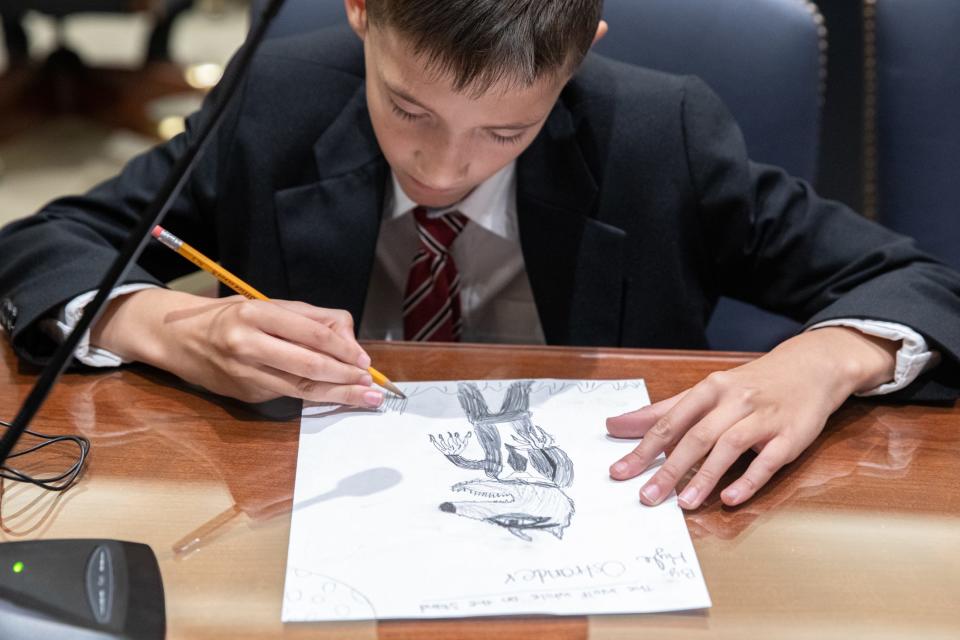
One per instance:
[(575, 262), (328, 228)]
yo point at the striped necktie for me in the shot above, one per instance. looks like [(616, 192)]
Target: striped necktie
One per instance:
[(431, 306)]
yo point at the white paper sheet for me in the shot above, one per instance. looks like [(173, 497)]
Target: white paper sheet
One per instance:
[(399, 513)]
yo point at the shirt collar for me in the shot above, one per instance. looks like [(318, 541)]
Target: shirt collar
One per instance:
[(492, 205)]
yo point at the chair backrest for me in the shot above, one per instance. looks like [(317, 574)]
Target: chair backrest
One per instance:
[(297, 16), (765, 58), (918, 121)]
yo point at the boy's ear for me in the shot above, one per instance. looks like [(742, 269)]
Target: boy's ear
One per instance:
[(602, 29), (357, 16)]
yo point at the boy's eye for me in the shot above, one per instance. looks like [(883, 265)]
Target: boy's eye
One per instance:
[(505, 139), (406, 115)]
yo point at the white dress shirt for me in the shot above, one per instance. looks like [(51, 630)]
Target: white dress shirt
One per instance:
[(496, 298)]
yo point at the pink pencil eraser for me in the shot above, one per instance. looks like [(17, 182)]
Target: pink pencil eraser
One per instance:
[(157, 230)]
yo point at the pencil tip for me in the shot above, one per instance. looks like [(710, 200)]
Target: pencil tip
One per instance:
[(395, 390)]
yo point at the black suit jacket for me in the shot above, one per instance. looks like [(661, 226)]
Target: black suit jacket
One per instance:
[(637, 208)]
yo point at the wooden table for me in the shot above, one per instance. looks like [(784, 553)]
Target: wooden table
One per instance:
[(860, 537)]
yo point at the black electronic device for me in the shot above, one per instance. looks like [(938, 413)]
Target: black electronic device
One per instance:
[(86, 589), (53, 589)]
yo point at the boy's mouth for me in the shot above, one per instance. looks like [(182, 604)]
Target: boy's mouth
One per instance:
[(432, 190)]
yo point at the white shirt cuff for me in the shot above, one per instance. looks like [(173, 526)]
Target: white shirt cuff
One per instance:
[(913, 358), (60, 327)]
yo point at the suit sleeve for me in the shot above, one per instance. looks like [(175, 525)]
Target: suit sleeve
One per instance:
[(780, 246), (65, 249)]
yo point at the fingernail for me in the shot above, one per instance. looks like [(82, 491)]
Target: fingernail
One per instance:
[(364, 361), (651, 492), (619, 468), (689, 496), (732, 494), (366, 380), (373, 398)]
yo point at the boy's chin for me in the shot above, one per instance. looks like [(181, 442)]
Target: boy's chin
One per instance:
[(431, 198)]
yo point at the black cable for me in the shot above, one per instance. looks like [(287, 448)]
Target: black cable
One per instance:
[(60, 482)]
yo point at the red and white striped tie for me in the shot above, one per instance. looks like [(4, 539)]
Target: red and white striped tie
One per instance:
[(431, 306)]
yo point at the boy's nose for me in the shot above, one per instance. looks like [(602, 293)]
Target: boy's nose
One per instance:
[(442, 170)]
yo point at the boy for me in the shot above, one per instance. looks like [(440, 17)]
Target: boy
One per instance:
[(460, 170)]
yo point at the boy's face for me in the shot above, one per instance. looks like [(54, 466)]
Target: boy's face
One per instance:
[(442, 143)]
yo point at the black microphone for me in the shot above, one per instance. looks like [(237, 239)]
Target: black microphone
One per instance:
[(100, 588)]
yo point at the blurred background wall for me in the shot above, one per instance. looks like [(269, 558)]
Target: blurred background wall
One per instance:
[(53, 139)]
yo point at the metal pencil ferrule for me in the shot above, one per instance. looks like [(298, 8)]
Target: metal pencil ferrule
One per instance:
[(170, 240)]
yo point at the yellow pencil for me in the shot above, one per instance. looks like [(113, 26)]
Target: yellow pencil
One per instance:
[(173, 242)]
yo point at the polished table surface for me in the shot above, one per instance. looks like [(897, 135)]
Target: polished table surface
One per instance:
[(858, 537)]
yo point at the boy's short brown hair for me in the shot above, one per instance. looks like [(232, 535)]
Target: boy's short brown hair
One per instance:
[(480, 43)]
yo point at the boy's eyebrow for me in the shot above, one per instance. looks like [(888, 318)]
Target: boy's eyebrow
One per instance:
[(407, 97)]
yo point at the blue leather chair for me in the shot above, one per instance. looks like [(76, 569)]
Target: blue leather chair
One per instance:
[(917, 79), (763, 57), (298, 16)]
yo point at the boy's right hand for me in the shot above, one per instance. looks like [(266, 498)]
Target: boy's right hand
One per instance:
[(246, 349)]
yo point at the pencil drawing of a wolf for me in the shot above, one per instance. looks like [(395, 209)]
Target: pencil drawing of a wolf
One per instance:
[(525, 494)]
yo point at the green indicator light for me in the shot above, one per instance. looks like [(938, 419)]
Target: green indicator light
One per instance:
[(18, 567)]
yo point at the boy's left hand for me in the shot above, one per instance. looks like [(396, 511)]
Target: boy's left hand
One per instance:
[(776, 404)]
